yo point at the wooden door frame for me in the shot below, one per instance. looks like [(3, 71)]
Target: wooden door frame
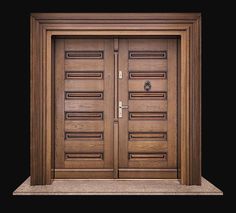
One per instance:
[(46, 25)]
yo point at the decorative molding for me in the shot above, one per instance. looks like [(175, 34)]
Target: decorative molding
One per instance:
[(83, 156), (84, 135), (147, 156), (84, 54), (45, 26), (135, 75), (84, 115), (147, 115), (69, 95), (147, 54), (141, 136), (148, 95), (81, 75)]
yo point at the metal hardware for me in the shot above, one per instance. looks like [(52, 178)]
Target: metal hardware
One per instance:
[(122, 107), (120, 75), (147, 85)]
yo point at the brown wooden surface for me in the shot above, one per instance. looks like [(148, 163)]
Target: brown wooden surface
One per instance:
[(146, 55), (83, 141), (44, 26), (123, 96)]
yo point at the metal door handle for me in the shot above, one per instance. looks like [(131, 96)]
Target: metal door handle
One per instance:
[(121, 106), (147, 85)]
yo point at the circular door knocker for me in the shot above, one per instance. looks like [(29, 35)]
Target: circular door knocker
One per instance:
[(147, 85)]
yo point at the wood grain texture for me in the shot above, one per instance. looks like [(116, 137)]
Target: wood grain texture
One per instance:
[(172, 103), (196, 103), (147, 106), (149, 130), (156, 85), (84, 146), (147, 146), (147, 115), (123, 96), (185, 25), (87, 113), (109, 103), (36, 149), (59, 103), (84, 85), (84, 126)]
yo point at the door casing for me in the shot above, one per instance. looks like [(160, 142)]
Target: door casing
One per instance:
[(45, 26)]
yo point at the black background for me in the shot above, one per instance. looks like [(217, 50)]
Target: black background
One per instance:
[(218, 163)]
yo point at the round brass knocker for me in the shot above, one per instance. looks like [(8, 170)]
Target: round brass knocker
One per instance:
[(147, 85)]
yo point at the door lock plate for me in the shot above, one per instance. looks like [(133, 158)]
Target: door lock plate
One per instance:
[(121, 107), (120, 75)]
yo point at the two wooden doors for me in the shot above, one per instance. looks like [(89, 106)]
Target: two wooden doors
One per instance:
[(131, 81)]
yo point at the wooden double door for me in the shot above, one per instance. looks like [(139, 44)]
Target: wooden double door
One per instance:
[(116, 108)]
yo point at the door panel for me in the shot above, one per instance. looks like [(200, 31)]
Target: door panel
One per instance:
[(148, 127), (84, 108)]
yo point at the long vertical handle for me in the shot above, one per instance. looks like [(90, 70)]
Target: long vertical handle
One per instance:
[(115, 84)]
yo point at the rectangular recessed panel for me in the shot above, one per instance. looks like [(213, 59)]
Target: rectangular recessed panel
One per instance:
[(84, 135), (84, 54), (83, 156), (77, 75), (148, 156), (141, 136), (84, 95), (84, 115), (147, 115), (147, 54), (147, 95), (133, 75)]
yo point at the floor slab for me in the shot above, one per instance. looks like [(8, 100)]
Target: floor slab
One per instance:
[(117, 187)]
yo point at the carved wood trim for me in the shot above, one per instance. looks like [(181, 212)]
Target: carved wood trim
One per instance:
[(147, 156), (84, 136), (147, 75), (147, 115), (147, 54), (69, 95), (148, 95), (84, 54), (46, 25), (84, 115), (140, 136), (83, 156), (78, 75)]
